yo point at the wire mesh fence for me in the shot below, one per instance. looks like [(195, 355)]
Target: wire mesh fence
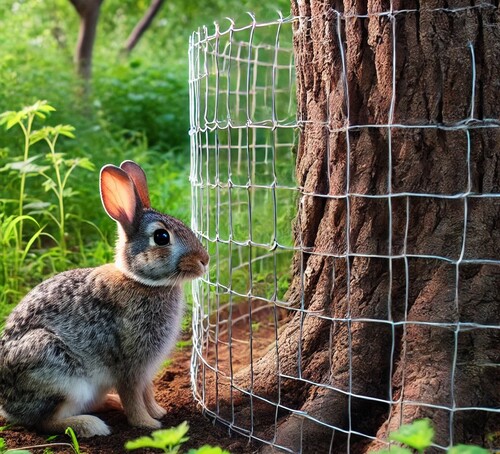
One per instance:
[(244, 140)]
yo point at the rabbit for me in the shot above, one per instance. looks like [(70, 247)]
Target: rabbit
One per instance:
[(84, 333)]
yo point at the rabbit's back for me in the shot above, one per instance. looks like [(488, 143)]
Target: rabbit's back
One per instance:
[(100, 314), (68, 306)]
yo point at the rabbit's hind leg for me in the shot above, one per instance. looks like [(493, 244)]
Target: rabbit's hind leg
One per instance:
[(79, 393), (44, 384)]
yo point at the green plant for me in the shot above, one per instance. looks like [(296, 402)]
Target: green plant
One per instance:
[(24, 119), (13, 256), (62, 167), (418, 436), (4, 449), (47, 448), (74, 441), (207, 449), (170, 441), (29, 219)]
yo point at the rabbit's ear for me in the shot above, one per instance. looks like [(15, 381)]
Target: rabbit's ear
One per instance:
[(119, 196), (137, 175)]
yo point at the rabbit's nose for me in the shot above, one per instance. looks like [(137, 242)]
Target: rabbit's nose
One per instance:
[(204, 259), (204, 263)]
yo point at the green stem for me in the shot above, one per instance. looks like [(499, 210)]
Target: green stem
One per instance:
[(59, 193), (27, 133)]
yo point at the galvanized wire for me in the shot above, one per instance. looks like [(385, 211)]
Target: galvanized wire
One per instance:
[(244, 134)]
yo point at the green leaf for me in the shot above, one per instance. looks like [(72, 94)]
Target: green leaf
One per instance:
[(42, 106), (417, 435), (467, 449), (38, 135), (30, 243), (143, 442), (11, 225), (184, 343), (65, 130), (162, 439), (55, 158), (39, 106), (83, 163), (36, 206), (49, 184), (395, 450), (68, 192), (10, 118), (207, 449), (27, 166), (71, 433)]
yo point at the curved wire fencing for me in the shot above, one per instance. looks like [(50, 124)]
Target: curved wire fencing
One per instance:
[(245, 202)]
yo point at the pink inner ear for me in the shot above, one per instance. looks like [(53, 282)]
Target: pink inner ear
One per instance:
[(137, 175), (118, 195)]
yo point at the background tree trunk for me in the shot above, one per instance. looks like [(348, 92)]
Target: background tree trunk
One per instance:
[(387, 324), (143, 25), (89, 11)]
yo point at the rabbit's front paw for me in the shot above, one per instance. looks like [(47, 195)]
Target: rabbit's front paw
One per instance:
[(145, 421), (92, 426), (156, 411)]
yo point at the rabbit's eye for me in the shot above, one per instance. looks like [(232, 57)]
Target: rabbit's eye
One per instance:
[(161, 237)]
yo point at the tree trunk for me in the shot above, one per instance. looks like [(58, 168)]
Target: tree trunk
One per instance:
[(143, 25), (398, 278), (88, 10)]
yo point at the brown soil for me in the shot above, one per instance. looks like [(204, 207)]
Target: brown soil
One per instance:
[(173, 392)]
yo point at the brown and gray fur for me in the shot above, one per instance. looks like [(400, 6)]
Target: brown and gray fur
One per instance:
[(84, 333)]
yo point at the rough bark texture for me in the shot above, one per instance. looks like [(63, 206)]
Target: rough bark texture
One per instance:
[(344, 339)]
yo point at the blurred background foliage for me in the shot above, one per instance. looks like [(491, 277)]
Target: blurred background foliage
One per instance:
[(137, 109)]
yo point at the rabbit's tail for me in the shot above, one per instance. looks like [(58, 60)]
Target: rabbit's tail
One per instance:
[(85, 426)]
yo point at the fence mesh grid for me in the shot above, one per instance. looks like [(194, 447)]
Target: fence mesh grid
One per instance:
[(244, 134)]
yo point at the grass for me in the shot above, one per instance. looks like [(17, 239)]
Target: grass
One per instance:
[(43, 228), (50, 151)]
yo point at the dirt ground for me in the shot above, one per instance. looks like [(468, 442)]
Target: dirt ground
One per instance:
[(173, 392)]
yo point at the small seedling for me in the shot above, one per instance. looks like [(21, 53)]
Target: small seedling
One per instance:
[(47, 448), (207, 449), (467, 449), (419, 436), (74, 441), (184, 344), (5, 450), (170, 441)]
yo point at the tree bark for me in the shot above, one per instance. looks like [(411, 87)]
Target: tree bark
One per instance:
[(143, 25), (89, 11), (398, 275)]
